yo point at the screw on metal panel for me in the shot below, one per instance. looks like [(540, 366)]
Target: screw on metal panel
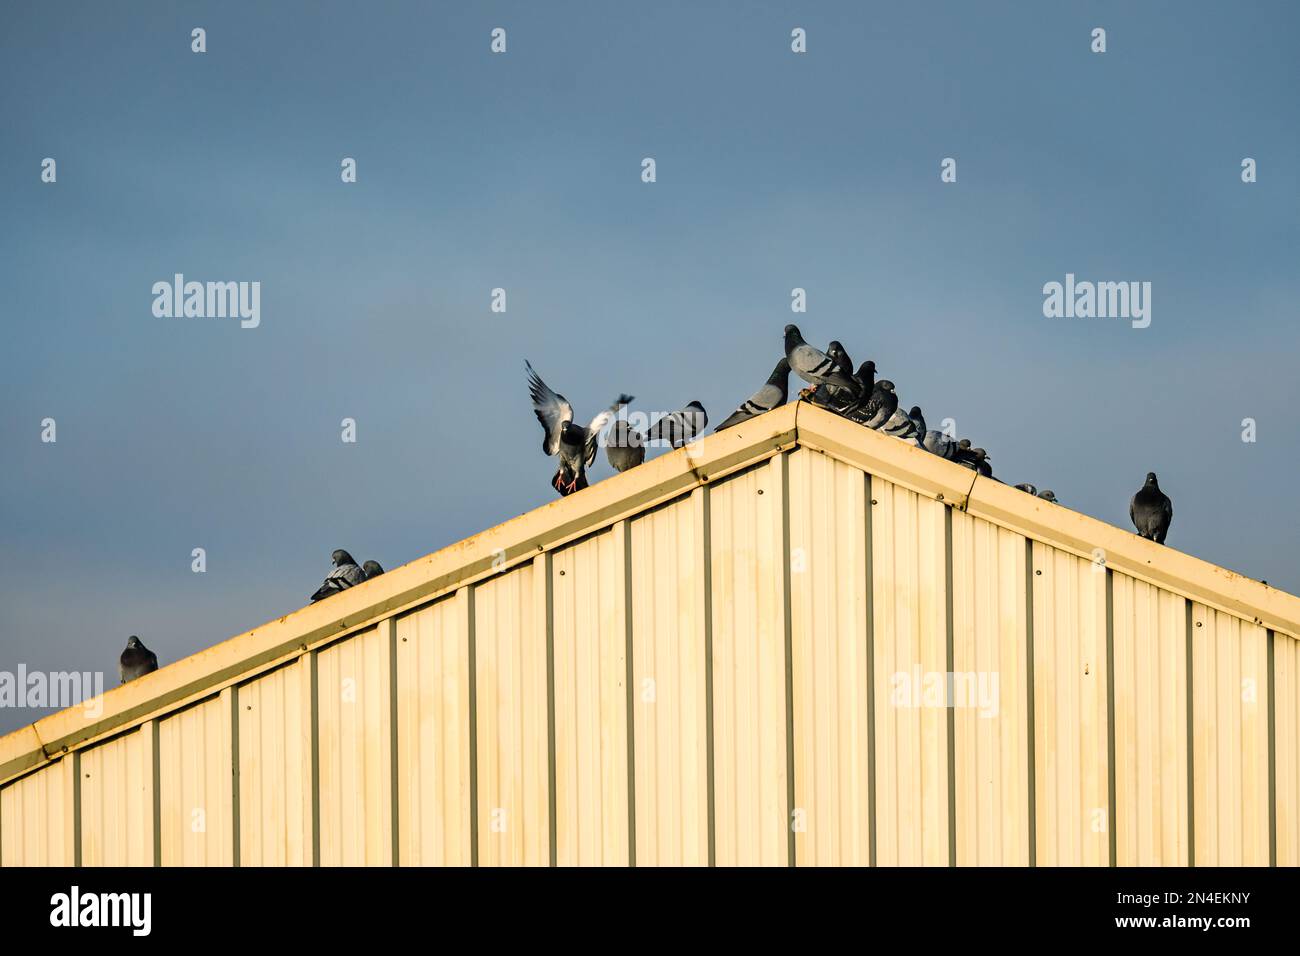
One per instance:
[(941, 497), (1198, 623), (760, 491), (873, 501), (1038, 572), (561, 574)]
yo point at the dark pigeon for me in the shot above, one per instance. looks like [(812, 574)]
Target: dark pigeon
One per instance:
[(771, 395), (1027, 489), (345, 575), (877, 409), (575, 445), (372, 569), (625, 447), (679, 427), (976, 459), (1048, 495), (136, 661), (1151, 510), (812, 364)]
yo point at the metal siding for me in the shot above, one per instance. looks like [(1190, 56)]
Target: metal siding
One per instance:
[(117, 801), (911, 659), (275, 800), (829, 660), (355, 771), (590, 642), (1151, 795), (433, 737), (668, 696), (1230, 701), (1070, 710), (749, 712), (197, 775), (990, 643), (37, 818), (1286, 703), (513, 778)]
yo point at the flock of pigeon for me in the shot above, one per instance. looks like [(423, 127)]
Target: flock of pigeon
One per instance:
[(855, 395), (834, 385)]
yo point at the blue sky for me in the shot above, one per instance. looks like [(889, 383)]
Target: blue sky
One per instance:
[(522, 171)]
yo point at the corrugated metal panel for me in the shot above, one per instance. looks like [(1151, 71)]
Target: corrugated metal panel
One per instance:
[(909, 558), (1230, 756), (828, 640), (1151, 782), (196, 772), (354, 728), (1071, 785), (749, 687), (513, 764), (990, 694), (1286, 687), (590, 664), (275, 799), (36, 818), (117, 801), (671, 719), (433, 735)]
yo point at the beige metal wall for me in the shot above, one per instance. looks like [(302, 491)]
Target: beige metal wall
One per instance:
[(755, 672)]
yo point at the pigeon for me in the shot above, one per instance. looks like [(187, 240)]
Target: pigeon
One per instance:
[(877, 409), (136, 661), (1027, 489), (976, 459), (372, 569), (679, 427), (1151, 510), (345, 575), (935, 442), (1047, 495), (812, 364), (899, 425), (832, 396), (771, 395), (625, 447), (575, 444)]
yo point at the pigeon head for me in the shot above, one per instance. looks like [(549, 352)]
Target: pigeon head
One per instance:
[(341, 557), (571, 434), (1151, 479), (793, 338), (133, 641), (695, 407), (980, 454), (915, 412), (885, 385), (1047, 495), (372, 568), (964, 444)]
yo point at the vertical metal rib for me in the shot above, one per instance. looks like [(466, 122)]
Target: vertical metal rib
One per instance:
[(1191, 738), (789, 659), (471, 642), (871, 681), (950, 657), (1029, 693), (706, 552), (1112, 824), (631, 710), (234, 774)]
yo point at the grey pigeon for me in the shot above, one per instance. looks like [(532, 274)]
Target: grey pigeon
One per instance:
[(136, 661), (345, 575), (812, 364), (899, 425), (935, 442), (575, 444), (772, 395), (372, 569), (625, 447), (1151, 510), (1047, 495), (1027, 489), (832, 396), (679, 427), (877, 409)]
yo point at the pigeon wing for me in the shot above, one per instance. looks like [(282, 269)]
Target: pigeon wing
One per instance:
[(551, 408), (598, 424)]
